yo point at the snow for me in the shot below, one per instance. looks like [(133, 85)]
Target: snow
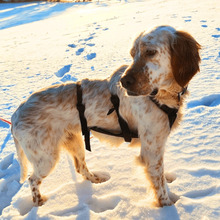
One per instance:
[(48, 43), (61, 72)]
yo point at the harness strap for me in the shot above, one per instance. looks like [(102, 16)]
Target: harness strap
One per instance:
[(81, 109), (125, 131), (123, 124), (107, 132), (171, 112), (126, 134)]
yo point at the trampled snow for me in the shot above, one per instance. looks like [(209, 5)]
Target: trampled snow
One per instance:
[(48, 43)]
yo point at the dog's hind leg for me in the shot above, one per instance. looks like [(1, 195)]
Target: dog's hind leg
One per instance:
[(75, 147), (43, 164), (35, 182)]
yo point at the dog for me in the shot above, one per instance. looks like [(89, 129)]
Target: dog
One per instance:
[(164, 61)]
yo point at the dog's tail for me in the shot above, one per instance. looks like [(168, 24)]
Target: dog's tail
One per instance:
[(22, 161)]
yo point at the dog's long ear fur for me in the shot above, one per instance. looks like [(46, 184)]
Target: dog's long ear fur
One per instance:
[(185, 57), (134, 49)]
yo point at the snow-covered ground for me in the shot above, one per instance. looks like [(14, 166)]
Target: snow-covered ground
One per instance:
[(48, 43)]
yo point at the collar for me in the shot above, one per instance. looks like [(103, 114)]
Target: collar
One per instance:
[(182, 93)]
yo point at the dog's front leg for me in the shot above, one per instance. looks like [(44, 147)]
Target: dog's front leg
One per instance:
[(151, 157)]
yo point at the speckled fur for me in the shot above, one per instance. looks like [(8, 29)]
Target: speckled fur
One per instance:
[(49, 120)]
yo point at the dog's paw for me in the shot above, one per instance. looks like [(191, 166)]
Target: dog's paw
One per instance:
[(100, 177), (40, 201), (165, 202)]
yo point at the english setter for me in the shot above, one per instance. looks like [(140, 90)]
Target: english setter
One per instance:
[(164, 61)]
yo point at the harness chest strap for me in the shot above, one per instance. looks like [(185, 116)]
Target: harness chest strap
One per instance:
[(123, 124), (125, 131), (171, 112)]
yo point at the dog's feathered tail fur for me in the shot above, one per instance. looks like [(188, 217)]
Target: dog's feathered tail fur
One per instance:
[(22, 161)]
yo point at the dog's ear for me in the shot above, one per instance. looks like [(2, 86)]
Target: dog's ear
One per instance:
[(185, 57), (135, 45)]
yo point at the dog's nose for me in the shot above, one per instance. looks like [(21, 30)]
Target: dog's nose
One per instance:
[(127, 81)]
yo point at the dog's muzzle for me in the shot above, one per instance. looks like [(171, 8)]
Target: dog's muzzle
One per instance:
[(127, 81)]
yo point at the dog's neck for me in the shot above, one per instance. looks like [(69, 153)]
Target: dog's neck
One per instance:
[(171, 111), (171, 99)]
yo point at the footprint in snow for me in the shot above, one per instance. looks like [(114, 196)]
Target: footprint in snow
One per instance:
[(200, 193), (68, 78), (209, 101), (187, 18), (90, 56), (91, 45), (61, 72), (99, 26), (79, 51), (89, 38), (216, 35), (101, 204), (72, 45), (207, 58), (205, 172)]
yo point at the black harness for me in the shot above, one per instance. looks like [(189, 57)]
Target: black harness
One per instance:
[(125, 131)]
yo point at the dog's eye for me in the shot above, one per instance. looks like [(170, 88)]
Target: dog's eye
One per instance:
[(151, 52)]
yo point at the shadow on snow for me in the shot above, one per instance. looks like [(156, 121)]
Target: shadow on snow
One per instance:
[(14, 14)]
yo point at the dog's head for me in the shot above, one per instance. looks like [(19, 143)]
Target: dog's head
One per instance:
[(160, 58)]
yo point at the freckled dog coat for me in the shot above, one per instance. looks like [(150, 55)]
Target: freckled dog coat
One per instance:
[(164, 60)]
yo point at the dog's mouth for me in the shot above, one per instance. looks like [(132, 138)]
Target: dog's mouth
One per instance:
[(130, 93)]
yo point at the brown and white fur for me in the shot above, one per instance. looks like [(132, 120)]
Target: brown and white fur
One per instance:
[(163, 59)]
